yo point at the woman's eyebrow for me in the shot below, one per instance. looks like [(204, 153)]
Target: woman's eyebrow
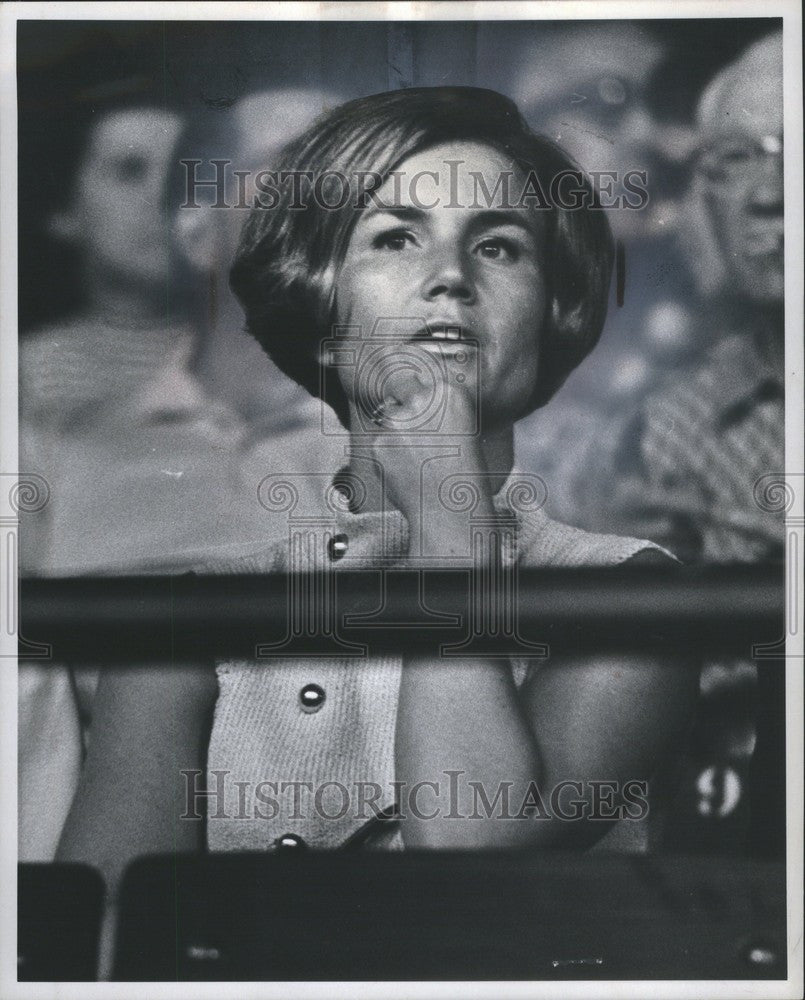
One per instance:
[(403, 213), (489, 217), (505, 217)]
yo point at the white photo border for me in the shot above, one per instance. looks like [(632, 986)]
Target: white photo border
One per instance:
[(790, 12)]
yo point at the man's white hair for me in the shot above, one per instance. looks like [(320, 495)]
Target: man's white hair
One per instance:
[(762, 58)]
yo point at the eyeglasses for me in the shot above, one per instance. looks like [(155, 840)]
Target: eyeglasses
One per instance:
[(739, 158)]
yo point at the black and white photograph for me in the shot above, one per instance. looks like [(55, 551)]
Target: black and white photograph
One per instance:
[(402, 499)]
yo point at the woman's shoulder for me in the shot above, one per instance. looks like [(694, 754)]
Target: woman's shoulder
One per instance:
[(543, 541)]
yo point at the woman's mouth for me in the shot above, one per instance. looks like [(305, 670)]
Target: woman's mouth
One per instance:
[(443, 333)]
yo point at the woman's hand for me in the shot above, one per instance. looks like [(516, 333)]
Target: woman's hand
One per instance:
[(426, 419)]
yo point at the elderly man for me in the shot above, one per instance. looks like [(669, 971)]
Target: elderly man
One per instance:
[(701, 447), (693, 469)]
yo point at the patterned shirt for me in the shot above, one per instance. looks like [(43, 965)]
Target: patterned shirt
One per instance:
[(707, 449)]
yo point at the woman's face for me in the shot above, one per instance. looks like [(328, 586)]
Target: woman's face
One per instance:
[(449, 253), (118, 212)]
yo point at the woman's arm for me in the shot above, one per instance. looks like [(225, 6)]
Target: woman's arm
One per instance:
[(599, 719), (149, 724), (612, 719), (607, 719)]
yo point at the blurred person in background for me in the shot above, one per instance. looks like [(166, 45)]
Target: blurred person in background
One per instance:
[(282, 426), (694, 467), (698, 448), (124, 407), (71, 373), (136, 456), (588, 87), (111, 413)]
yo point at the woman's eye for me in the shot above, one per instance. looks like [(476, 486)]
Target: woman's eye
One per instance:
[(394, 240), (497, 249), (130, 169)]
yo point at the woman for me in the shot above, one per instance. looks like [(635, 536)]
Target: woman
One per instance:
[(465, 293)]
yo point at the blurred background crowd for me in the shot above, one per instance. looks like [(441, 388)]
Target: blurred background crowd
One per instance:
[(153, 416)]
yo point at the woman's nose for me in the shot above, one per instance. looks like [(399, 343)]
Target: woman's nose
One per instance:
[(449, 275)]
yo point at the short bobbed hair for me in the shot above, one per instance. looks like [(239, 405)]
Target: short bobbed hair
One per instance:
[(286, 266)]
